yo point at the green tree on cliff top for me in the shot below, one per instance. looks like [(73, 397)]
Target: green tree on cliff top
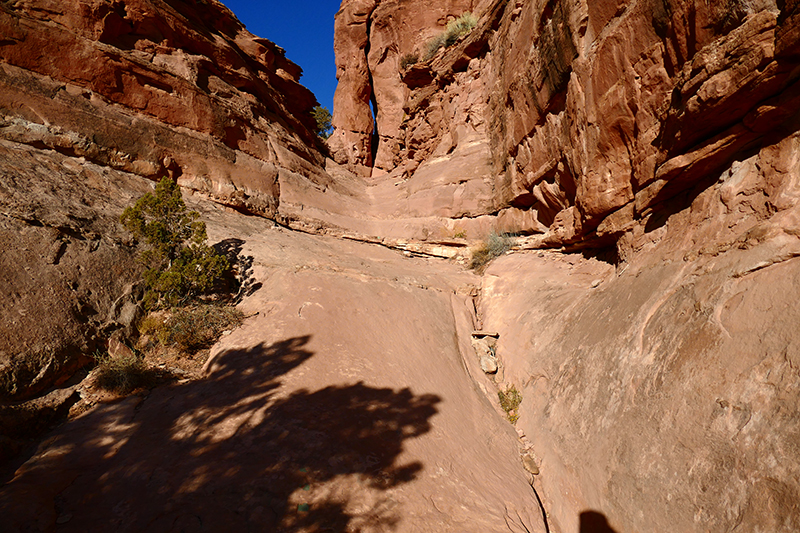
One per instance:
[(323, 118)]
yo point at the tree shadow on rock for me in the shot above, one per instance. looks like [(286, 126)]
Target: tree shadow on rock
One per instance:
[(594, 522), (237, 451), (239, 281)]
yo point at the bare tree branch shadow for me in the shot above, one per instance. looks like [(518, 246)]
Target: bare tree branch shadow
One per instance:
[(232, 452)]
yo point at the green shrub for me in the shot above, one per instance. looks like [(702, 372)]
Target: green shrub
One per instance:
[(180, 264), (123, 374), (453, 32), (408, 60), (494, 246), (193, 328), (459, 27), (510, 399), (432, 46)]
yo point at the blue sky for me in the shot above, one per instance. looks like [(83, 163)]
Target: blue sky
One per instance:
[(304, 28)]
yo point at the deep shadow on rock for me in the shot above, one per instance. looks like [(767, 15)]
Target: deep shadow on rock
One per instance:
[(239, 280), (27, 420), (231, 452), (594, 522)]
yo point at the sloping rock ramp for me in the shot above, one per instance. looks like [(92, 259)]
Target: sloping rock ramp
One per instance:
[(346, 402)]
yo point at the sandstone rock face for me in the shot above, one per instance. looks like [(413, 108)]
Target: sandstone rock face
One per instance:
[(158, 88), (371, 39), (590, 114), (65, 260), (665, 395)]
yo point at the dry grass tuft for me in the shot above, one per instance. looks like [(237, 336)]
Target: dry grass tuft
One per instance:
[(123, 373), (510, 399), (494, 246), (455, 30), (192, 328)]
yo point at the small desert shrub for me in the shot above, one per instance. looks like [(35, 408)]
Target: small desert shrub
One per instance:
[(495, 246), (459, 27), (453, 32), (180, 265), (408, 60), (192, 328), (123, 373), (510, 399)]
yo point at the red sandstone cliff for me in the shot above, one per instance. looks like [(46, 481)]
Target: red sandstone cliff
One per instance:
[(573, 120), (371, 38), (154, 87)]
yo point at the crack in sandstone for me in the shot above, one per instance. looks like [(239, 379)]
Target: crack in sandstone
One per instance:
[(765, 264)]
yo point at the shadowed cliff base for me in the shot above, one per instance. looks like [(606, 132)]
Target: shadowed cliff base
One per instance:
[(229, 453)]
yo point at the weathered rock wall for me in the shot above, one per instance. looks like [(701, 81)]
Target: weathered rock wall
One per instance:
[(580, 118), (64, 261), (663, 393), (156, 88), (626, 106)]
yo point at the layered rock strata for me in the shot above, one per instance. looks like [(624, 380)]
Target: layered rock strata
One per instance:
[(158, 88)]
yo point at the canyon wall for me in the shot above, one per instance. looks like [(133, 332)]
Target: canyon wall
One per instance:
[(158, 88), (570, 119)]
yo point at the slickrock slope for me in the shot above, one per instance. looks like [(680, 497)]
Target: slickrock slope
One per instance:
[(353, 391)]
